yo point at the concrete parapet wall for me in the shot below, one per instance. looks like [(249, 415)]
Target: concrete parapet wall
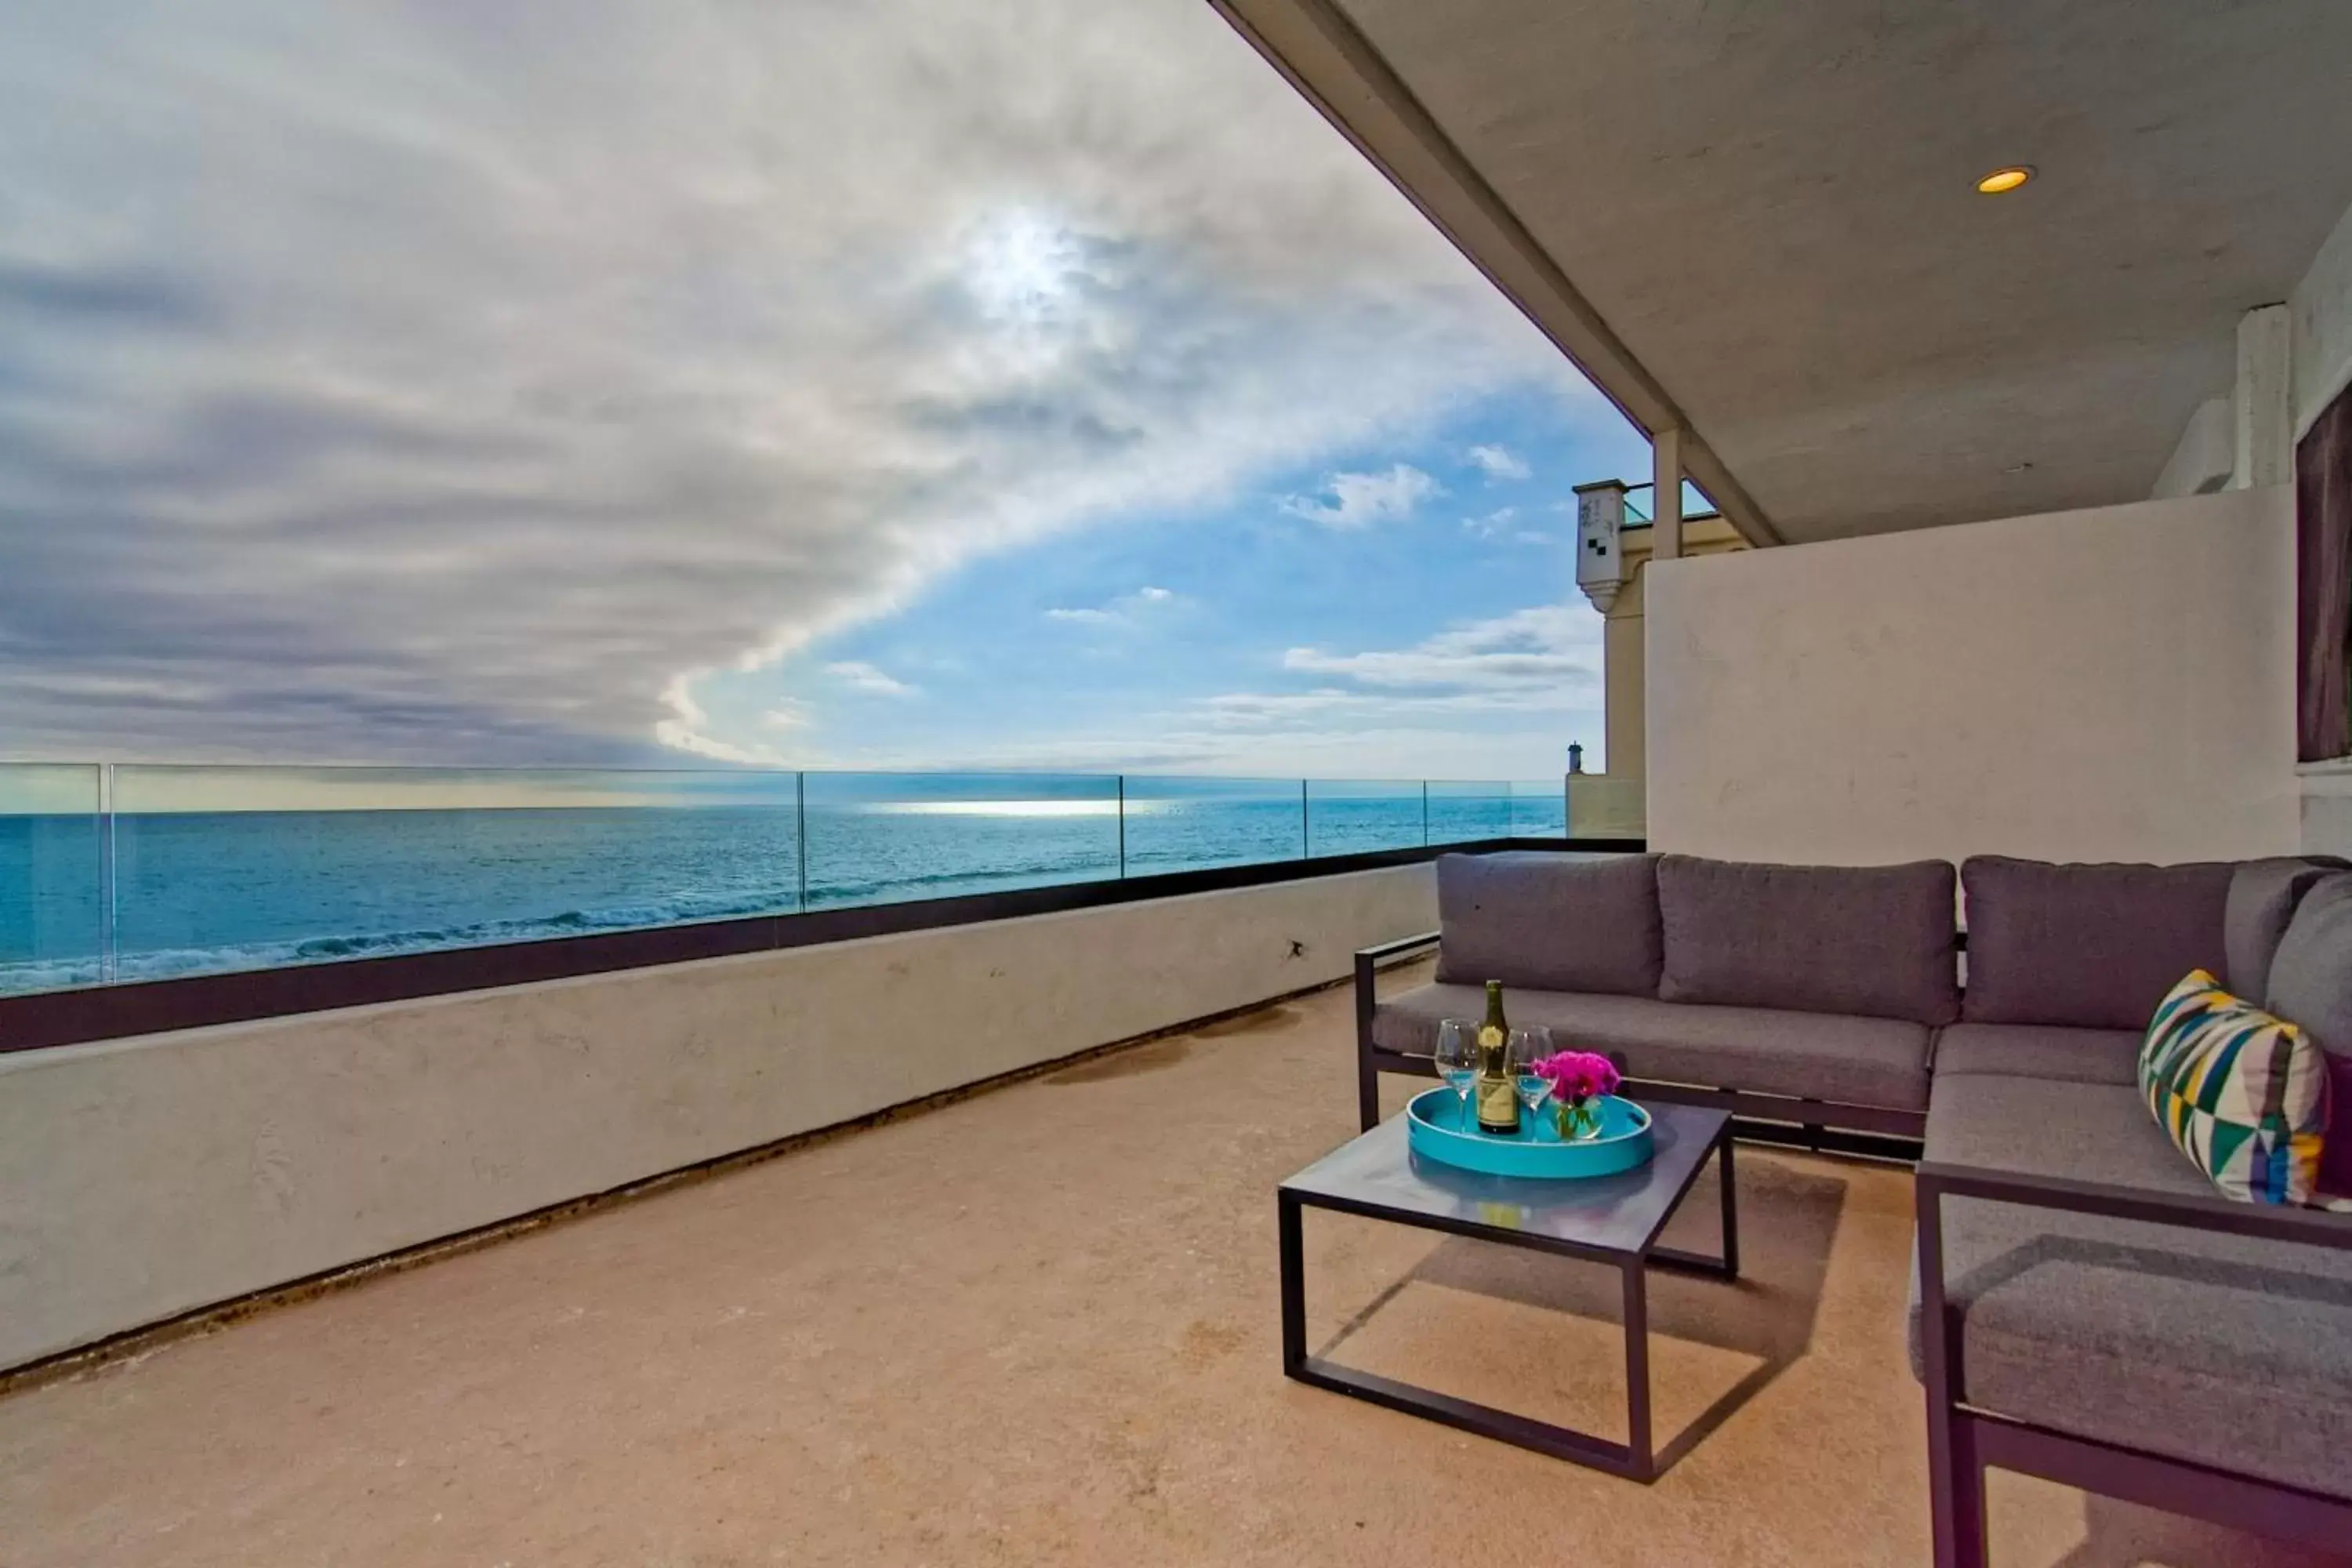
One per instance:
[(143, 1178)]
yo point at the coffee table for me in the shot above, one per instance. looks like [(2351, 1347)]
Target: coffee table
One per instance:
[(1606, 1219)]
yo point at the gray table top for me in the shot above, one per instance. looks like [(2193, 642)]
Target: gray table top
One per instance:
[(1379, 1174)]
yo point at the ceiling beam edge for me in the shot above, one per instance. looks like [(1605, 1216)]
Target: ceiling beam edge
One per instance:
[(1323, 55)]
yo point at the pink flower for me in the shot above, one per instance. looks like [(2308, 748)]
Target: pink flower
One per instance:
[(1578, 1075)]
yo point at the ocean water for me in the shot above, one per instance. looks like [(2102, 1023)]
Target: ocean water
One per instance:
[(197, 891)]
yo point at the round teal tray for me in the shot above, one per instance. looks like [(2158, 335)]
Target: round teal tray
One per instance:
[(1436, 1126)]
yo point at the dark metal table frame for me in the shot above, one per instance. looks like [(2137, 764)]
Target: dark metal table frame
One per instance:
[(1637, 1458)]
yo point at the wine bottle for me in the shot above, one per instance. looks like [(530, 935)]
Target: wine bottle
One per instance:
[(1498, 1099)]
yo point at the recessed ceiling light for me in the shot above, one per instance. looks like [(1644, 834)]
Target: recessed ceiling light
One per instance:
[(2007, 179)]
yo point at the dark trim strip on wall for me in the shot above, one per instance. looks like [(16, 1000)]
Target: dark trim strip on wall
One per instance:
[(76, 1016), (2323, 599)]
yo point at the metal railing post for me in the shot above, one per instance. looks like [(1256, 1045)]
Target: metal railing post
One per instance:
[(1305, 843), (1425, 814), (109, 908), (1122, 826), (800, 832)]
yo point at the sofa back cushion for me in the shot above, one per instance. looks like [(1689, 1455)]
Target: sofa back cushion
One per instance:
[(1873, 941), (2095, 947), (2262, 898), (2310, 985), (1550, 921)]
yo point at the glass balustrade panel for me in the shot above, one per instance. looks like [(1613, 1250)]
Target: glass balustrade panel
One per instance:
[(883, 837), (244, 868), (1356, 816), (1179, 824), (52, 878)]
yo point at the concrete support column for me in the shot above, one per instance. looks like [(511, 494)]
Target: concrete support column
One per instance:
[(1624, 703), (2265, 399), (1667, 496)]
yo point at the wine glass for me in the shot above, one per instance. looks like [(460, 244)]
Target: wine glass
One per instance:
[(1529, 1044), (1457, 1061)]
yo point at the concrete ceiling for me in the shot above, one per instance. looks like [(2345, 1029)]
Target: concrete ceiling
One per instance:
[(1760, 217)]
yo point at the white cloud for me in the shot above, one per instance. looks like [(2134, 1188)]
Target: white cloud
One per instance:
[(1360, 738), (1492, 524), (1118, 612), (683, 730), (1548, 647), (1499, 463), (1494, 698), (1359, 500), (1333, 742), (787, 715), (1499, 698), (1256, 709), (660, 385), (859, 675)]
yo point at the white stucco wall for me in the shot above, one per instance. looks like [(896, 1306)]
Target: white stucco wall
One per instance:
[(2204, 456), (2326, 806), (141, 1178), (2109, 684)]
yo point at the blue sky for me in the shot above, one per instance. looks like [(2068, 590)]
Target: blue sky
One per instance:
[(1264, 634), (898, 384)]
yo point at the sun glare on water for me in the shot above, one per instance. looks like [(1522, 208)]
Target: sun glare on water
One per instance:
[(1005, 808)]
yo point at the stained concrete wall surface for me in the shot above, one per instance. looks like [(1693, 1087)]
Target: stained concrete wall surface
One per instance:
[(142, 1178), (2109, 684)]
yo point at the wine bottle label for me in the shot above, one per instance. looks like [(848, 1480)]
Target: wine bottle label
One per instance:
[(1498, 1105), (1489, 1037)]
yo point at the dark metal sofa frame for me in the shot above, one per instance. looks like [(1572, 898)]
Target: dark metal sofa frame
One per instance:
[(1963, 1442)]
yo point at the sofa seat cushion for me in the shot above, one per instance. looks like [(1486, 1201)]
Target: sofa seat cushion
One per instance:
[(1869, 940), (2092, 947), (2039, 1050), (1556, 920), (2218, 1350), (1877, 1062)]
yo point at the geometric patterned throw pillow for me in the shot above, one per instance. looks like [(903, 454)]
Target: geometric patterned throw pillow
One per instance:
[(2243, 1093)]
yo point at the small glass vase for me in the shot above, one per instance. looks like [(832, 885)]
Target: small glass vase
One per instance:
[(1578, 1120)]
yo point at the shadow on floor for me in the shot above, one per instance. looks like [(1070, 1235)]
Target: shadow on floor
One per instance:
[(2125, 1535), (1787, 1222)]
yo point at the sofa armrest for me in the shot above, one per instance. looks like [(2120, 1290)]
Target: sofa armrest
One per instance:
[(1365, 955), (2269, 1222), (1367, 962), (1959, 1433), (1933, 1182), (1368, 959)]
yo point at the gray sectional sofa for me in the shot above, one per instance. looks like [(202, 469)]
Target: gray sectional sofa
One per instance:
[(1809, 995), (2084, 1306)]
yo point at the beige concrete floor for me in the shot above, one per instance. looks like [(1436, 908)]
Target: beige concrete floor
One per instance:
[(1037, 1327)]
